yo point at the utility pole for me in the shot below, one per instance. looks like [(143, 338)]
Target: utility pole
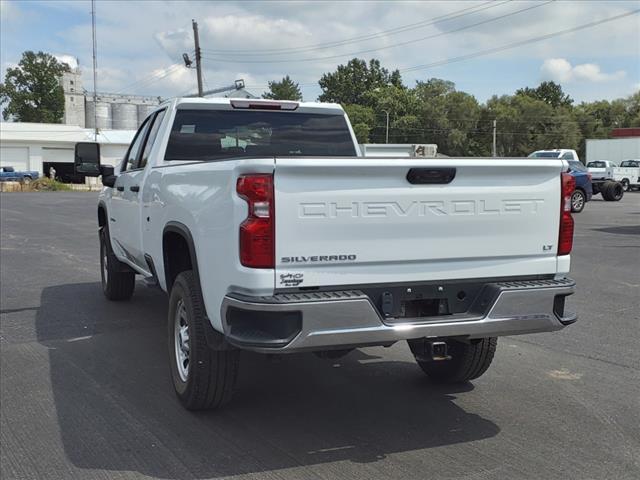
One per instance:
[(196, 39), (95, 70), (494, 139), (387, 135)]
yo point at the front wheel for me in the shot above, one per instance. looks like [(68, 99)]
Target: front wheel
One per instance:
[(578, 200), (468, 361), (626, 186), (118, 281), (203, 378)]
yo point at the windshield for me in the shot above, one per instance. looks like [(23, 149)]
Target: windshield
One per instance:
[(630, 163), (544, 154), (219, 134), (596, 165)]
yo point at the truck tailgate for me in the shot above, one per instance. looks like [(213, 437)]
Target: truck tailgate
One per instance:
[(356, 221)]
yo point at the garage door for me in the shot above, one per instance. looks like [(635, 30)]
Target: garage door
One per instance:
[(16, 157), (57, 155)]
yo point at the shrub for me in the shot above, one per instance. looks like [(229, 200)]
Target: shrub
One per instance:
[(48, 184)]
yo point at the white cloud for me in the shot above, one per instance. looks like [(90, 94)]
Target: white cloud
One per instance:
[(68, 59), (561, 70), (134, 53), (8, 10)]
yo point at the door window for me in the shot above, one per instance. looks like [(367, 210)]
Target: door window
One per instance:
[(131, 159), (153, 133)]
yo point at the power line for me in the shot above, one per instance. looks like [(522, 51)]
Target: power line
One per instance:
[(476, 131), (518, 44), (370, 50), (149, 79), (394, 31)]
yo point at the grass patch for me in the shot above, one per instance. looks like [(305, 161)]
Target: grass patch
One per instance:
[(45, 184)]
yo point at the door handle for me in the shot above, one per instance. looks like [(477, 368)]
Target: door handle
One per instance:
[(134, 188), (120, 188), (431, 176)]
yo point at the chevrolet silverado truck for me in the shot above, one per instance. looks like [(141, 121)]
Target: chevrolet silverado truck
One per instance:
[(271, 233)]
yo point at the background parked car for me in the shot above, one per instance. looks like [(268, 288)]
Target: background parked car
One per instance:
[(628, 174), (8, 174), (583, 192)]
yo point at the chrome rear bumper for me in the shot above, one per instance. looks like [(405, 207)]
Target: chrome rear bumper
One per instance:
[(325, 320)]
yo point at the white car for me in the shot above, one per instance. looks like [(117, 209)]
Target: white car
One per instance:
[(271, 233)]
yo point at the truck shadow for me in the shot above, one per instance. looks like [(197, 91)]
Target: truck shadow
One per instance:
[(620, 230), (116, 408)]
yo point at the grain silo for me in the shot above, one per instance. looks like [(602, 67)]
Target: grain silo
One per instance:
[(102, 111), (125, 116), (144, 110)]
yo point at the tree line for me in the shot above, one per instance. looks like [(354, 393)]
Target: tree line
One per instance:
[(434, 111)]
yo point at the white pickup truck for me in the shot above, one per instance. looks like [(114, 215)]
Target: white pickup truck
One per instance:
[(628, 174), (271, 233)]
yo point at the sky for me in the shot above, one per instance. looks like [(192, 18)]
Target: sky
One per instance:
[(485, 48)]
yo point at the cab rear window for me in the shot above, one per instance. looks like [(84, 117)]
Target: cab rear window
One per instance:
[(221, 134)]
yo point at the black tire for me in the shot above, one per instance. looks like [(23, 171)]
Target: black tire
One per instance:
[(118, 281), (578, 199), (468, 361), (626, 186), (210, 375), (612, 191)]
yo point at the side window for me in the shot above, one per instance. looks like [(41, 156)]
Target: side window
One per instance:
[(131, 160), (151, 138), (568, 156)]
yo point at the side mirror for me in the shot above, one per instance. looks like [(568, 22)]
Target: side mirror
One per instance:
[(87, 159), (108, 178)]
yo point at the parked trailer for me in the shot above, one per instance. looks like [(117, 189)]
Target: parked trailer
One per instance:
[(615, 150)]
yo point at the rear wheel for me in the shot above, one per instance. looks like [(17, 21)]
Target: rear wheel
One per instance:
[(468, 361), (612, 191), (118, 281), (578, 200), (203, 378)]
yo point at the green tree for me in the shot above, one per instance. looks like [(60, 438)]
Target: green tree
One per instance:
[(448, 117), (32, 90), (548, 92), (401, 104), (351, 83), (286, 89), (362, 120), (526, 124)]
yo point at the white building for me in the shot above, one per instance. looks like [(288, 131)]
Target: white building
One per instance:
[(39, 146)]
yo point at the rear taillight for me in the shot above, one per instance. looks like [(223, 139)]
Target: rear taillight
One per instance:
[(257, 232), (565, 236)]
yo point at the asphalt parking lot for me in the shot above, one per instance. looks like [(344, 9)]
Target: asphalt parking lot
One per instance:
[(86, 391)]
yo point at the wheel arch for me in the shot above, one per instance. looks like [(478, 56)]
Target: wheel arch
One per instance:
[(102, 214), (175, 260)]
